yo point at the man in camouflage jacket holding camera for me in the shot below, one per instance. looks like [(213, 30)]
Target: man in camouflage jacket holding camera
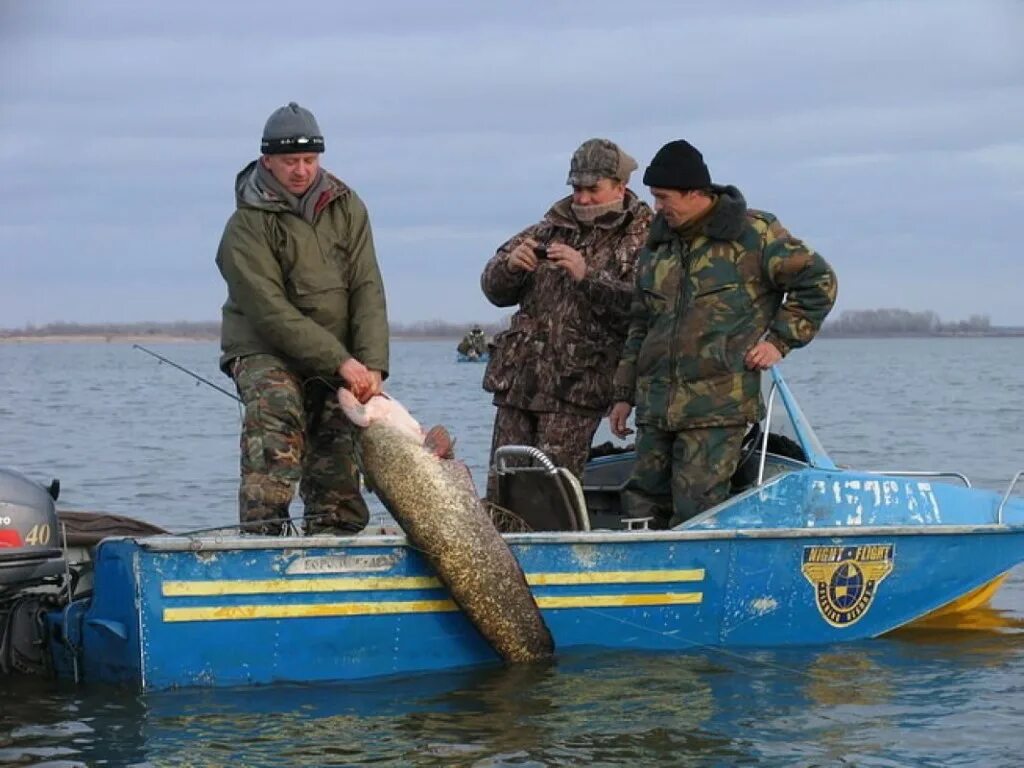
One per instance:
[(571, 275), (723, 292)]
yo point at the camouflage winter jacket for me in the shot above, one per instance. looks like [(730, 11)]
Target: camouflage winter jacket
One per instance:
[(701, 304), (560, 351), (310, 294)]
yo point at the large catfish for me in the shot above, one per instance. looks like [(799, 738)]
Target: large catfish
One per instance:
[(433, 499)]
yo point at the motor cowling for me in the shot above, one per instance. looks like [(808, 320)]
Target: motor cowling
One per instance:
[(30, 549)]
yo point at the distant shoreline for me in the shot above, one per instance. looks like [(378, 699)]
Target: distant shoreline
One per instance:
[(160, 338), (93, 338), (156, 338), (1010, 333)]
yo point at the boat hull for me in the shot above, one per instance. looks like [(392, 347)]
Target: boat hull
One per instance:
[(174, 612)]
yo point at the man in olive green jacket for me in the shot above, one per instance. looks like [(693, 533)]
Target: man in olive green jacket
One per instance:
[(305, 314), (722, 293)]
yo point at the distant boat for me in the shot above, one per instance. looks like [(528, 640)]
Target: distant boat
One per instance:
[(474, 348)]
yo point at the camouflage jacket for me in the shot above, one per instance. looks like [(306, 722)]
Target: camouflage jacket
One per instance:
[(311, 294), (701, 304), (560, 351)]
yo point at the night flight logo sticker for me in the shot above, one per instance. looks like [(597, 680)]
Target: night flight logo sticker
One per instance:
[(845, 579)]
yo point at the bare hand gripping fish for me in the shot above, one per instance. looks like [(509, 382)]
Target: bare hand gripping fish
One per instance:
[(434, 501)]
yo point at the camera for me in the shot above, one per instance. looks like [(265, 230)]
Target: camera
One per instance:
[(540, 251)]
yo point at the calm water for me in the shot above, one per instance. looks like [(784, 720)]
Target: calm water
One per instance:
[(128, 435)]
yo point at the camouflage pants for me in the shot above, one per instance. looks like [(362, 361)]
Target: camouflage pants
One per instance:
[(564, 437), (282, 446), (680, 474)]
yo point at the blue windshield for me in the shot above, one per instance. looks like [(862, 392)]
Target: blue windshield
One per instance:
[(800, 428)]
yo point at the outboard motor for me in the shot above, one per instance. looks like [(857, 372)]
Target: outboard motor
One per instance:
[(30, 551), (32, 570)]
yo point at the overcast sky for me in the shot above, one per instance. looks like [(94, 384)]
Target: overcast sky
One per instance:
[(888, 135)]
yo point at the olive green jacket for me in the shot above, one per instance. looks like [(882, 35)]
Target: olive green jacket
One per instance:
[(310, 294), (701, 303)]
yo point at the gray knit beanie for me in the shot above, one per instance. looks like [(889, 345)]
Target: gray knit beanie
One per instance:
[(290, 130)]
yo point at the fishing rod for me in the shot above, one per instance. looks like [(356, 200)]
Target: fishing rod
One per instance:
[(181, 368)]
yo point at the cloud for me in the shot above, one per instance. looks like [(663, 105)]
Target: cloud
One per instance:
[(122, 126)]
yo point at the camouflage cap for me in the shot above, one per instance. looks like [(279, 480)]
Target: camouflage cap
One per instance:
[(599, 159)]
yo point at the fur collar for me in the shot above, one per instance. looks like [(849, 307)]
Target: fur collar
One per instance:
[(726, 221)]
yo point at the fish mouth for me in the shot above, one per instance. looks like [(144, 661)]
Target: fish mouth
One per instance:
[(352, 408)]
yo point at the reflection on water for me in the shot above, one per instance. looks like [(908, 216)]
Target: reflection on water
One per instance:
[(598, 708), (136, 438), (828, 677), (885, 702), (983, 617)]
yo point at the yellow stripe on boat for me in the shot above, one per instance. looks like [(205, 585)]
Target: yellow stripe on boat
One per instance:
[(614, 577), (301, 611), (235, 612), (620, 601), (375, 583), (291, 586)]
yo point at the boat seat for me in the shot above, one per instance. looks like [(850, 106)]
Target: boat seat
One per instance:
[(87, 529), (544, 497)]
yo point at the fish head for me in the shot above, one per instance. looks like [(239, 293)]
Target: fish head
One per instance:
[(380, 409), (353, 409)]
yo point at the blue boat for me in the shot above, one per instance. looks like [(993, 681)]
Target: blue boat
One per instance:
[(804, 552), (463, 358)]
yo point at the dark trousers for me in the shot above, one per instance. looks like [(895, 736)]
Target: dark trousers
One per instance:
[(680, 474)]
